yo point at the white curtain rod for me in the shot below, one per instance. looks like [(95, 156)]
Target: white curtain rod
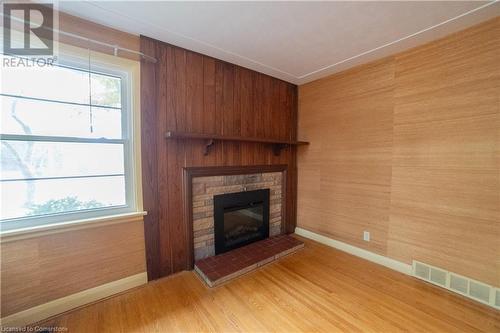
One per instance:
[(116, 48)]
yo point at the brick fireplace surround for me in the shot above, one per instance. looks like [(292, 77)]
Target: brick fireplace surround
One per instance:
[(201, 184), (203, 191)]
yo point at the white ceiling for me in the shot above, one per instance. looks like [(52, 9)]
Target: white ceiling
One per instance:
[(295, 41)]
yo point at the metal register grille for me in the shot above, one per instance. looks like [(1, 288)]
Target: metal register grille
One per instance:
[(462, 285)]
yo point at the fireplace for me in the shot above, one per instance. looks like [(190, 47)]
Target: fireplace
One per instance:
[(240, 218), (205, 188)]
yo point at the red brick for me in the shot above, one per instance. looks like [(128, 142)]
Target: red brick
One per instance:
[(218, 267)]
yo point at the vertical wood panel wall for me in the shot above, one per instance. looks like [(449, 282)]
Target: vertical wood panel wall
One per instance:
[(189, 92), (408, 148)]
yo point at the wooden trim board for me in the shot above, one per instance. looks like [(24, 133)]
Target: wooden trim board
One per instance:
[(58, 306), (56, 228), (356, 251)]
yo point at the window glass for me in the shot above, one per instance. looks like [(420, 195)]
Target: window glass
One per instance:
[(51, 196), (28, 159), (48, 82), (63, 143), (26, 116)]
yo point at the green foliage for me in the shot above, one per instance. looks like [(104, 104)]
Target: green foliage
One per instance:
[(107, 90), (63, 205)]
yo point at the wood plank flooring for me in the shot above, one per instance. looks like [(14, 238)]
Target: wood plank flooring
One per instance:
[(317, 289)]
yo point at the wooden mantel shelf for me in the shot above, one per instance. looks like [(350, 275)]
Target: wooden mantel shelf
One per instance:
[(211, 138)]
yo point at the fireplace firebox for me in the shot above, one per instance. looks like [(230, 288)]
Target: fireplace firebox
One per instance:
[(240, 219)]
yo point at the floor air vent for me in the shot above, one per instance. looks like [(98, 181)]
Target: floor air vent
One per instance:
[(422, 271), (460, 284), (438, 276), (479, 291)]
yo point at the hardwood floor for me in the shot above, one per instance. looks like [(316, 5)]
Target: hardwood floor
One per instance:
[(317, 289)]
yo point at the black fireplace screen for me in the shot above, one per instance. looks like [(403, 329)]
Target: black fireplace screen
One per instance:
[(240, 218)]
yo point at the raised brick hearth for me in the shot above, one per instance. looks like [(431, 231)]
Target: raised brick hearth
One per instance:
[(203, 191), (226, 266)]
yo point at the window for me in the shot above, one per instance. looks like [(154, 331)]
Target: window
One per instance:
[(65, 144)]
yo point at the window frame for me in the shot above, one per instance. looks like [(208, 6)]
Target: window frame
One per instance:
[(108, 68)]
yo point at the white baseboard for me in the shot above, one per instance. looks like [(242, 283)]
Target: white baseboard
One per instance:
[(60, 305), (356, 251)]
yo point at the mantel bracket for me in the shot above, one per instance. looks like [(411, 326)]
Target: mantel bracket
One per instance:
[(208, 143), (278, 147)]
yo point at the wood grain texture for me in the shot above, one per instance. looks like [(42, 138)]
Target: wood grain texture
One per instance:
[(446, 156), (150, 166), (345, 175), (408, 148), (38, 270), (317, 289), (189, 92)]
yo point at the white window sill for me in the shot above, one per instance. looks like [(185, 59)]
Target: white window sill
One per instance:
[(12, 235)]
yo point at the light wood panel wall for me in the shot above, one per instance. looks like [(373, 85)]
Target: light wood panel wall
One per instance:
[(41, 269), (408, 148), (345, 173), (446, 171)]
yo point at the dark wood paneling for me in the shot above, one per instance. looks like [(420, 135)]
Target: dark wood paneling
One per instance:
[(161, 178), (150, 176), (189, 92)]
